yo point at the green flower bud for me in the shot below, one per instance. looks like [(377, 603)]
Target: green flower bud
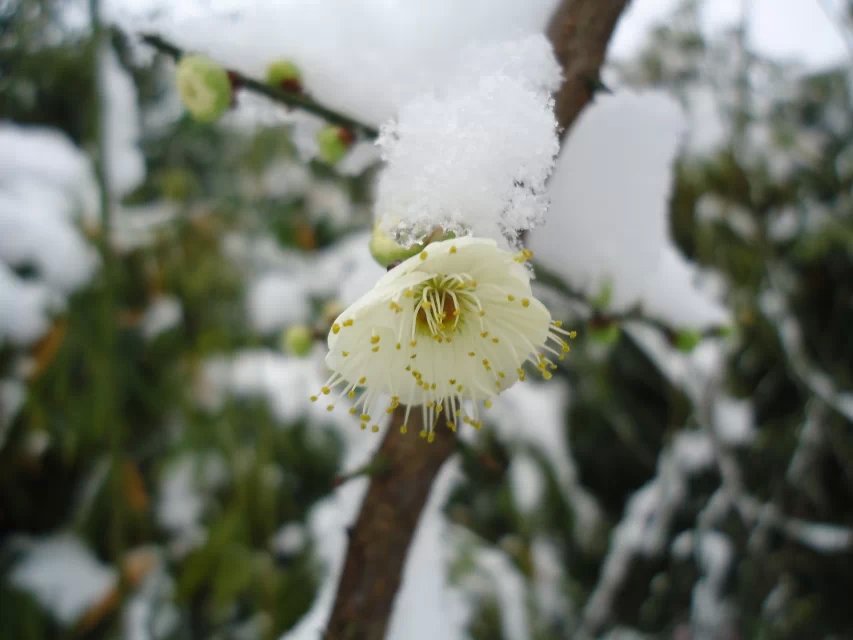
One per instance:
[(334, 142), (284, 75), (385, 249), (687, 340), (204, 87), (298, 340), (605, 334)]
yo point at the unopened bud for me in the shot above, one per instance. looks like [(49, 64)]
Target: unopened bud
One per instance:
[(334, 142), (204, 87), (284, 75), (686, 341), (607, 334), (386, 251), (298, 340)]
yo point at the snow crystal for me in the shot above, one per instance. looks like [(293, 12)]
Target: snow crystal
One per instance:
[(473, 157), (63, 576)]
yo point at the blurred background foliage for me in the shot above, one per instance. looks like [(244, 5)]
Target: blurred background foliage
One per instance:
[(91, 454)]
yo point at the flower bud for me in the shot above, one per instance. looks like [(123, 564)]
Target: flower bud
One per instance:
[(284, 75), (687, 340), (605, 333), (298, 340), (204, 87), (334, 142), (385, 249)]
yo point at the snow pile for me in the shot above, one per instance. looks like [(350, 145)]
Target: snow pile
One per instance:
[(363, 57), (45, 181), (473, 156), (607, 230), (63, 576)]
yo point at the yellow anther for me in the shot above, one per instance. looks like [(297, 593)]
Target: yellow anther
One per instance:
[(353, 411), (374, 349), (336, 328), (362, 380), (423, 433), (487, 403), (424, 255), (472, 354), (431, 437), (398, 346), (313, 398), (364, 417), (484, 334), (525, 302), (330, 407), (325, 391), (374, 339), (348, 322), (510, 297), (375, 428), (404, 429), (495, 340), (351, 395), (345, 353), (363, 426), (452, 381), (453, 248), (573, 334)]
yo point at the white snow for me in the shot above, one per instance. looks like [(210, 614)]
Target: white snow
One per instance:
[(363, 57), (533, 415), (474, 155), (125, 164), (277, 300), (63, 576), (45, 183), (608, 222), (164, 313)]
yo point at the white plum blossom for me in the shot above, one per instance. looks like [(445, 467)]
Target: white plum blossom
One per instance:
[(447, 329)]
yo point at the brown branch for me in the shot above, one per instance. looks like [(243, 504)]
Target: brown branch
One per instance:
[(580, 31), (380, 538)]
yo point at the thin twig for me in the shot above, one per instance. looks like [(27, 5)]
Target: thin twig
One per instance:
[(290, 99)]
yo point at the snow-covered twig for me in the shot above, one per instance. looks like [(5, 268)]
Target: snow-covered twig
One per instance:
[(290, 99)]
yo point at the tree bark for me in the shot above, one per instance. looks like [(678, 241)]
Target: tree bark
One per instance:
[(580, 31), (379, 541)]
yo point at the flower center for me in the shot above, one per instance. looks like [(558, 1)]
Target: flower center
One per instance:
[(440, 304)]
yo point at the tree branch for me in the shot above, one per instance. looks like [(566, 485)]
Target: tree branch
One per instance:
[(580, 31), (290, 99), (379, 541)]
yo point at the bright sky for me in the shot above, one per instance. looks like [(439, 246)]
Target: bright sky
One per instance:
[(788, 29)]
